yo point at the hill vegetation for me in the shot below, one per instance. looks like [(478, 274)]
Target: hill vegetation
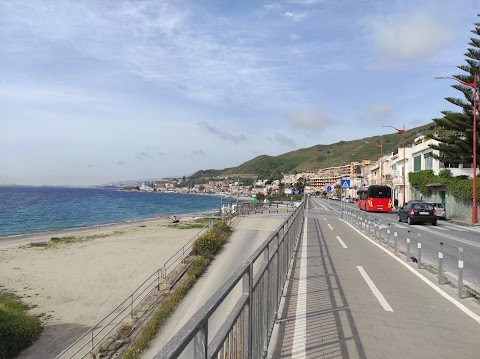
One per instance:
[(314, 158)]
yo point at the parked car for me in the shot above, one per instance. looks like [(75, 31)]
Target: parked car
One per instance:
[(440, 209), (417, 212)]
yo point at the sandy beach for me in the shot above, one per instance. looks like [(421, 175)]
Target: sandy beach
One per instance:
[(73, 285)]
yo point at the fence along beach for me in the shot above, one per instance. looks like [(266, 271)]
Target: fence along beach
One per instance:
[(74, 282)]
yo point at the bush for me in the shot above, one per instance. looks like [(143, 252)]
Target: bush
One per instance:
[(206, 245), (198, 266), (204, 249), (18, 329)]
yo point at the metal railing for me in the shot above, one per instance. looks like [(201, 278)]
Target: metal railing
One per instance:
[(123, 314), (256, 290), (460, 265), (368, 224)]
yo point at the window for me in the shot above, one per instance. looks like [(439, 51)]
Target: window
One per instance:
[(417, 163), (428, 161)]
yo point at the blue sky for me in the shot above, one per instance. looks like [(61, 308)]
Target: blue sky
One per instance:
[(99, 91)]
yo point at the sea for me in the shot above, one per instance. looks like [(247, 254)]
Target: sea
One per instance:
[(26, 210)]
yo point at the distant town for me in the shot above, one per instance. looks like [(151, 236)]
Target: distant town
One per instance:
[(390, 169)]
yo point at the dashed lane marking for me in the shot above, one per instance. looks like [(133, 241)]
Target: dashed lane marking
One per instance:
[(452, 300), (341, 242), (375, 291)]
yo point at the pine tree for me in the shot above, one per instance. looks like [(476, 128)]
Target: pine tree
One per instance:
[(455, 129)]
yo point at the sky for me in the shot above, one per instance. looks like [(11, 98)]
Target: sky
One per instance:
[(93, 92)]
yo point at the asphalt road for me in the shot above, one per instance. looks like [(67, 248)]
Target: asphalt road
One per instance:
[(450, 234)]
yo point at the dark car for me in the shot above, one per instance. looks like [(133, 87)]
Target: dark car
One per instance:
[(417, 212)]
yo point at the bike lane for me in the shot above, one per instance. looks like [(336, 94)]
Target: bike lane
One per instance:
[(348, 298)]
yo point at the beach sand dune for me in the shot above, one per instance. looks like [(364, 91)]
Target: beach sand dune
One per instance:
[(74, 285)]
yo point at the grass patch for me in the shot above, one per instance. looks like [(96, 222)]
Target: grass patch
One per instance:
[(197, 223), (18, 329), (204, 250), (58, 241), (472, 294)]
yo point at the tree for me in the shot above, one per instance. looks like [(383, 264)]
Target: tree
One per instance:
[(455, 130), (260, 196), (300, 184), (281, 187)]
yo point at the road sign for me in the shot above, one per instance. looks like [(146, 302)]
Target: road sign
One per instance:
[(329, 189), (296, 191), (345, 183)]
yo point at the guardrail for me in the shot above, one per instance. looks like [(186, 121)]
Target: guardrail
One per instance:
[(372, 227), (123, 313), (246, 329)]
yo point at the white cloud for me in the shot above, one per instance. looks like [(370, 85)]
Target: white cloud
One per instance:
[(383, 109), (195, 154), (409, 36), (296, 16), (312, 120), (283, 140), (222, 134), (306, 2)]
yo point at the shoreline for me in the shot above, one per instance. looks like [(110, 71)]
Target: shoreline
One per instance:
[(72, 285), (54, 232)]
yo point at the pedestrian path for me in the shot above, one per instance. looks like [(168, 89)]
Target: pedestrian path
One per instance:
[(349, 298)]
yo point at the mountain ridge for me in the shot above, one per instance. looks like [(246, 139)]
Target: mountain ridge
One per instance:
[(317, 157)]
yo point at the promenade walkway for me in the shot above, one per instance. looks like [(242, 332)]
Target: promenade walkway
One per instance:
[(350, 298)]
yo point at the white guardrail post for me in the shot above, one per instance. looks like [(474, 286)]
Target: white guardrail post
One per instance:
[(440, 264), (460, 272), (408, 246), (388, 235)]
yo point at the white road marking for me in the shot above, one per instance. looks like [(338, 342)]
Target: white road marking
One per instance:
[(456, 229), (330, 226), (300, 331), (374, 289), (452, 300), (441, 228), (431, 230), (341, 242)]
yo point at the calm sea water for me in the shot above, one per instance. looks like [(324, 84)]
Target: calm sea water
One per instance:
[(37, 209)]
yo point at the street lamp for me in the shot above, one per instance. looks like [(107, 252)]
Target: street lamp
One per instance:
[(381, 161), (402, 131), (474, 86)]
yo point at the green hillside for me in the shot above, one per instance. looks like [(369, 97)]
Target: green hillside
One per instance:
[(317, 157)]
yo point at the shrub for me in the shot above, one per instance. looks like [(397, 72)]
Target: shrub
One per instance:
[(204, 249), (198, 266), (18, 329), (206, 245)]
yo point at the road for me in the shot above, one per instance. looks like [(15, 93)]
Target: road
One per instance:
[(351, 297), (452, 235)]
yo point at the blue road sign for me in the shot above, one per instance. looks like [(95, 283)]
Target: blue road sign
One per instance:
[(345, 183), (329, 189), (296, 191)]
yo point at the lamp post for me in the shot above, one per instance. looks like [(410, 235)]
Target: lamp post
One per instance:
[(402, 131), (381, 161), (474, 194)]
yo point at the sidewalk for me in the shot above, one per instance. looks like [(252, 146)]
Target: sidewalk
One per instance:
[(349, 298)]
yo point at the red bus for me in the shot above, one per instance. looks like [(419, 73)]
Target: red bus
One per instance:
[(375, 198)]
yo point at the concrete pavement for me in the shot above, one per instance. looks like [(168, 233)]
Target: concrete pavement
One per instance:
[(248, 234), (350, 298)]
